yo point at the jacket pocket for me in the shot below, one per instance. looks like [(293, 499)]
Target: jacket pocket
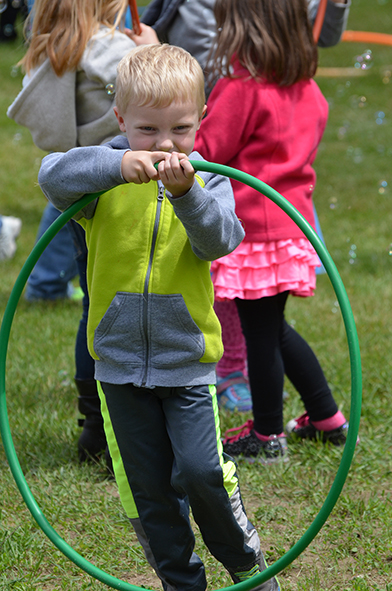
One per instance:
[(119, 335), (175, 339)]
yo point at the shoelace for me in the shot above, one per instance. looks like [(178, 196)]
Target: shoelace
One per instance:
[(244, 430), (303, 420)]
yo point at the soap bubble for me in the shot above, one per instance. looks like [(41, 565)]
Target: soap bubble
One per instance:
[(364, 61), (358, 101), (358, 156), (382, 187), (390, 250), (380, 117), (386, 76), (110, 90), (3, 5), (342, 131), (367, 60)]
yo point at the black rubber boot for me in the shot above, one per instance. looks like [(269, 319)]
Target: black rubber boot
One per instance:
[(92, 442)]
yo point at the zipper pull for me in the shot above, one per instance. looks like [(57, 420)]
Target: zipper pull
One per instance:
[(161, 190)]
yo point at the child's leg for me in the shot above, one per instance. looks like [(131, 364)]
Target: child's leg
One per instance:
[(232, 388), (56, 266), (262, 323), (198, 471), (92, 441), (208, 479), (305, 373), (142, 456), (262, 439), (234, 357), (275, 348)]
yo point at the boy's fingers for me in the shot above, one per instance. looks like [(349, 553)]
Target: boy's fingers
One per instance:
[(170, 170), (160, 156), (184, 163), (187, 167)]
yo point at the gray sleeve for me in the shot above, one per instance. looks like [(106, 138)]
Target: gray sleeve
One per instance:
[(335, 21), (194, 28), (65, 177), (209, 217)]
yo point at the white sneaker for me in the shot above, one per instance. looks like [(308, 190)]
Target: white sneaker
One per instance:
[(9, 231)]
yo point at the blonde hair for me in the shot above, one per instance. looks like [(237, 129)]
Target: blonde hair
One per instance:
[(158, 75), (61, 29)]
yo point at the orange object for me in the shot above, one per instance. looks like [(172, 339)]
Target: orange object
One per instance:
[(367, 37), (318, 23), (135, 17)]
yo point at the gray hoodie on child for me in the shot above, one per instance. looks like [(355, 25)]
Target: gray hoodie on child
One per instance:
[(75, 109)]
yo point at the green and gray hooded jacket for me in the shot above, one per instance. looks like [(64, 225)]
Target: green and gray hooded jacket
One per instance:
[(151, 319)]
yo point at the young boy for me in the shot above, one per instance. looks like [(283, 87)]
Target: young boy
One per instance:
[(152, 330)]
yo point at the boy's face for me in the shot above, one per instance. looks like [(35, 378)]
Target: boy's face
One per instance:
[(165, 129)]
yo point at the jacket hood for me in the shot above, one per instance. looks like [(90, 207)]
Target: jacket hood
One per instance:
[(46, 106)]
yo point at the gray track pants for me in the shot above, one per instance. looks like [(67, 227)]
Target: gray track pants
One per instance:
[(167, 456)]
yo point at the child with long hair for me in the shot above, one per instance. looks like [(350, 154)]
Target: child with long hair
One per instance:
[(266, 116), (191, 24), (67, 101)]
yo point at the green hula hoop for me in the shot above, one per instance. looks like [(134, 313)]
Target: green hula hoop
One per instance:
[(356, 385)]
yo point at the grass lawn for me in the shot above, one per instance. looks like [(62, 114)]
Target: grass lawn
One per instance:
[(353, 551)]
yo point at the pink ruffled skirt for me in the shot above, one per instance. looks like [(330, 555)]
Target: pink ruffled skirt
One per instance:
[(260, 269)]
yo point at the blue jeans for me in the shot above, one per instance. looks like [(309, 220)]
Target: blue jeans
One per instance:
[(56, 266)]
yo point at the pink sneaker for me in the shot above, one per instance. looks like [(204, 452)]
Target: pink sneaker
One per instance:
[(247, 445), (302, 428)]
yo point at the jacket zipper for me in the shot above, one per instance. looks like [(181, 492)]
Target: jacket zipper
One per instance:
[(148, 275)]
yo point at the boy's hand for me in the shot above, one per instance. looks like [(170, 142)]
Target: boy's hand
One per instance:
[(138, 166), (176, 173), (147, 36)]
